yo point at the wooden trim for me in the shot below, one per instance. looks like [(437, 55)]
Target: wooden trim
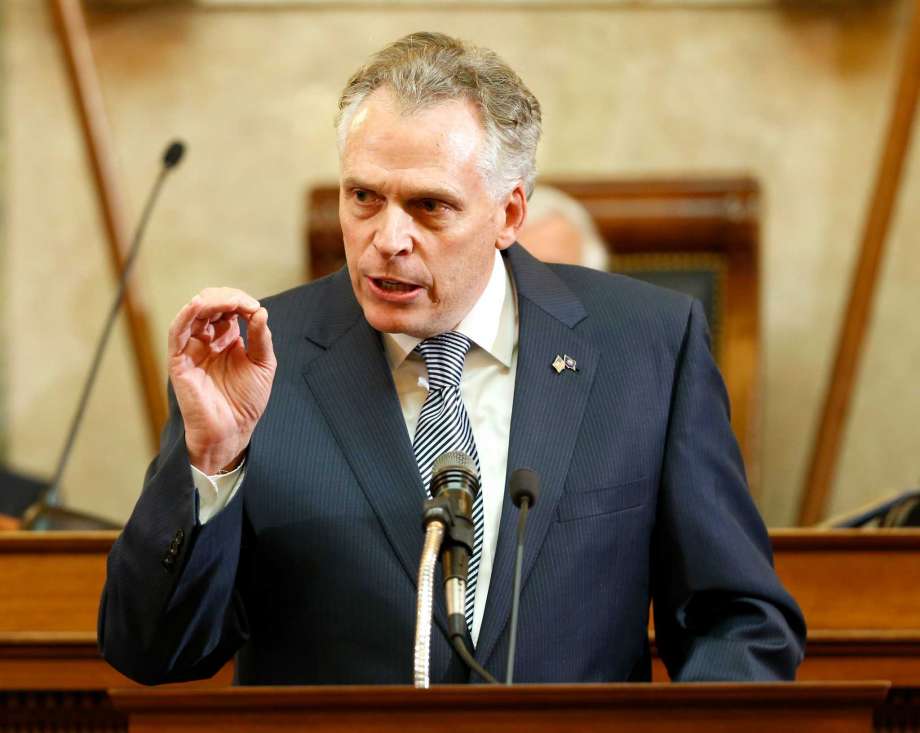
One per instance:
[(781, 539), (865, 642), (857, 642), (833, 655), (853, 540), (488, 696), (64, 711), (75, 46), (48, 639), (52, 543), (60, 647), (886, 642), (831, 429), (472, 708)]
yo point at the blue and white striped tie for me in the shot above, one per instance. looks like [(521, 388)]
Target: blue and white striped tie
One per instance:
[(443, 425)]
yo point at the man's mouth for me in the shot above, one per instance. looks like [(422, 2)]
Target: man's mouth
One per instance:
[(394, 286), (394, 291)]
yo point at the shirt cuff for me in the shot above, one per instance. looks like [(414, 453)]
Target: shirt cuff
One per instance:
[(215, 492)]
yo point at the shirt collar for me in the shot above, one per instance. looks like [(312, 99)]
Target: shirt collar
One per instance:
[(495, 335)]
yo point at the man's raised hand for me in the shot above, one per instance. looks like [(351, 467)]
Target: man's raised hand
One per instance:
[(221, 385)]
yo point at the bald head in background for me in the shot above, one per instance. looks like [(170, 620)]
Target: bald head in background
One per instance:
[(559, 229)]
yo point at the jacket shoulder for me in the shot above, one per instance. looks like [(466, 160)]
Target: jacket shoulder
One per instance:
[(618, 301)]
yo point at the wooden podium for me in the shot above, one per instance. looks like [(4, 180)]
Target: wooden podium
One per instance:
[(854, 587), (639, 708), (50, 585), (861, 600)]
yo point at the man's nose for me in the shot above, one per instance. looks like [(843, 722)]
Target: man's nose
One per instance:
[(393, 236)]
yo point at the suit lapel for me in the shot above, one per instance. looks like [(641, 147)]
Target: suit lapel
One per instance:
[(353, 386), (546, 418)]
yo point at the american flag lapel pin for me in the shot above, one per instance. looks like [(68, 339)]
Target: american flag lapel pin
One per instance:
[(563, 362)]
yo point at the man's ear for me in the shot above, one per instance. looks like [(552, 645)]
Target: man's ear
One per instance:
[(514, 213)]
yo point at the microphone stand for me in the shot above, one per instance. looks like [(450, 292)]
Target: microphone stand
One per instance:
[(524, 489), (438, 520), (516, 593), (48, 498)]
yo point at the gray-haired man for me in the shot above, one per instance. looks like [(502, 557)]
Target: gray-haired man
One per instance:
[(281, 519)]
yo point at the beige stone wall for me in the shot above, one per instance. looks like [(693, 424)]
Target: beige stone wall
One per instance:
[(799, 98)]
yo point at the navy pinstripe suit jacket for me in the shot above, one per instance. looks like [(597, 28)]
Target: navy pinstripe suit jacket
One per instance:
[(309, 573)]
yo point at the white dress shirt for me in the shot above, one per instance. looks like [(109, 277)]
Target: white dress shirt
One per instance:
[(487, 387)]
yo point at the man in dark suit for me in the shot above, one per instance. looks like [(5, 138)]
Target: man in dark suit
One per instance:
[(281, 519)]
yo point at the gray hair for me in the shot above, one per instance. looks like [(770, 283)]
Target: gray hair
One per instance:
[(424, 69)]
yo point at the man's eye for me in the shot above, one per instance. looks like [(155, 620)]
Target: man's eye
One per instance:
[(430, 206), (363, 197)]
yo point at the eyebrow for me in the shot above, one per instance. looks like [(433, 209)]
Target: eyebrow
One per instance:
[(423, 192), (352, 182)]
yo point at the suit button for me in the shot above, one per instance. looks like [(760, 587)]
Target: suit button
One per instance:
[(169, 562), (180, 535), (173, 550)]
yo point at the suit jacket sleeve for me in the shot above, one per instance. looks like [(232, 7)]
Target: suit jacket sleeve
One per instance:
[(170, 610), (720, 610)]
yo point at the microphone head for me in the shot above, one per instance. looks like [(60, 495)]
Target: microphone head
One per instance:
[(524, 482), (173, 154), (454, 470), (454, 458)]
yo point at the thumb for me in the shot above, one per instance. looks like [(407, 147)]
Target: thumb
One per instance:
[(260, 349)]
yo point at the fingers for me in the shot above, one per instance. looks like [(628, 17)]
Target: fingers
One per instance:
[(225, 332), (260, 339), (180, 330), (211, 306)]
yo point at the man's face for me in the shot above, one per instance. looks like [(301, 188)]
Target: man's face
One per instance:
[(419, 224)]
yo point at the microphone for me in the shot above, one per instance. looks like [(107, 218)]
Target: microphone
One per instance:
[(48, 498), (454, 478), (173, 154), (453, 489), (524, 489)]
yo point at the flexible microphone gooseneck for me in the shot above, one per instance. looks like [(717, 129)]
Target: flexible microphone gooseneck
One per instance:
[(524, 489), (434, 521), (171, 158)]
